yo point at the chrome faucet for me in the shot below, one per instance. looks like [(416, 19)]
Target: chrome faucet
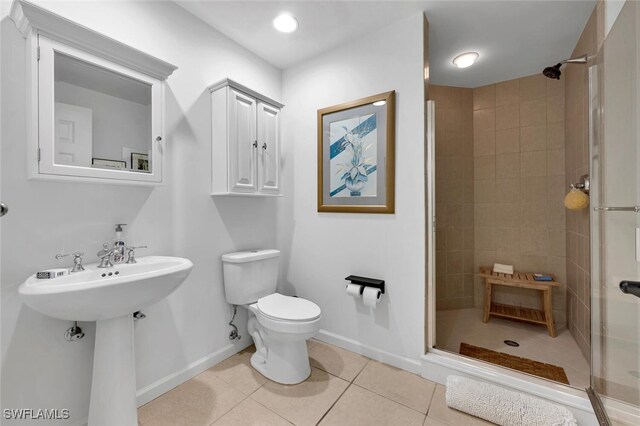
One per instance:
[(105, 256), (77, 260), (132, 254)]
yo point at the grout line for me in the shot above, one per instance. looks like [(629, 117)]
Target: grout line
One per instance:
[(258, 402), (234, 406), (394, 401), (433, 395), (334, 403)]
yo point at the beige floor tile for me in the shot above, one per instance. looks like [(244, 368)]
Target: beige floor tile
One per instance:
[(440, 411), (251, 413), (238, 372), (197, 402), (311, 343), (359, 406), (398, 385), (337, 361), (304, 403), (430, 421)]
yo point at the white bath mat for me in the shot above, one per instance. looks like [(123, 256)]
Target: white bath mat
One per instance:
[(502, 406)]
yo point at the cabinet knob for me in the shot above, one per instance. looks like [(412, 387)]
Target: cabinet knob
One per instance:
[(255, 144), (159, 139), (264, 145)]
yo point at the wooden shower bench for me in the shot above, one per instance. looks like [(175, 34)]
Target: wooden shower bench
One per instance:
[(519, 280)]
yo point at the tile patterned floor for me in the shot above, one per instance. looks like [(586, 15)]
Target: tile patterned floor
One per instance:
[(465, 325), (344, 389)]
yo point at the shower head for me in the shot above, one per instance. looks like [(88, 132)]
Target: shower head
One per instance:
[(554, 71)]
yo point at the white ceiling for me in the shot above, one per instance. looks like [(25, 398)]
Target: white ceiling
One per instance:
[(514, 38)]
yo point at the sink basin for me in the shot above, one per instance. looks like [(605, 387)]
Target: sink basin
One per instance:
[(109, 296), (102, 293)]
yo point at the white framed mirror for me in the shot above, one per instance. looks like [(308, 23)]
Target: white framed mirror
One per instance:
[(95, 105), (97, 118)]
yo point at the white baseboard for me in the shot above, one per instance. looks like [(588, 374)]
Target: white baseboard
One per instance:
[(399, 361), (437, 365), (165, 384)]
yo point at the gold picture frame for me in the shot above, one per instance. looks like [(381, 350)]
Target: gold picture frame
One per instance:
[(353, 177)]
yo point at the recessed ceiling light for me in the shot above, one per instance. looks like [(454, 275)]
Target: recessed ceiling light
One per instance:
[(466, 59), (379, 103), (285, 23)]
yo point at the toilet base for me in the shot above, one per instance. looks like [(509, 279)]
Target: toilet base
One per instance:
[(283, 362)]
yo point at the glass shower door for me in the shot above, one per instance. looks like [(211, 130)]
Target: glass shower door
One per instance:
[(615, 217)]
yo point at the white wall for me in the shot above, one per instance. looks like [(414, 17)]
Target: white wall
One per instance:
[(39, 368), (323, 248)]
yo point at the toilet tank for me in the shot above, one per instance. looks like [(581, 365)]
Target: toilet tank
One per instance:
[(250, 275)]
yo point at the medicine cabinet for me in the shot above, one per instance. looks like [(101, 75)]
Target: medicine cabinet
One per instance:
[(95, 105)]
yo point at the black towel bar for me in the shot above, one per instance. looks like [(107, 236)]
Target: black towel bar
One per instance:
[(367, 282)]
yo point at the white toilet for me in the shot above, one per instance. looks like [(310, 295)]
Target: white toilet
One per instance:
[(279, 325)]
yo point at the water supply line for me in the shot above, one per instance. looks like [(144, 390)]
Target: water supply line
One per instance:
[(233, 335)]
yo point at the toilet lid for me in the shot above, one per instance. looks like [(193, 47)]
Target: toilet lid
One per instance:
[(279, 306)]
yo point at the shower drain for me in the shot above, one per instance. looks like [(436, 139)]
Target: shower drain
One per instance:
[(511, 343)]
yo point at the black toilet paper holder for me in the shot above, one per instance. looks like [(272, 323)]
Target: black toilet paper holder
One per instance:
[(366, 282)]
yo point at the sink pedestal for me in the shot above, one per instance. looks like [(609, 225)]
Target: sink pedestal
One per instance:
[(113, 388)]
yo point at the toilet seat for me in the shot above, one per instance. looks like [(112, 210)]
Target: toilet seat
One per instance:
[(279, 307)]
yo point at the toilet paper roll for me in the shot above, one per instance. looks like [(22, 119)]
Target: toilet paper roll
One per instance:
[(370, 296), (354, 290)]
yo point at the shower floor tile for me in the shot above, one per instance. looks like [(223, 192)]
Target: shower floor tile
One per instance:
[(465, 325)]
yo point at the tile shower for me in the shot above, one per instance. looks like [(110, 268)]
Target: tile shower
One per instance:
[(505, 154)]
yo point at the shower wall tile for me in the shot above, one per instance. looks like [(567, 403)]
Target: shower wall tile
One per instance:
[(484, 97), (507, 165), (533, 113), (533, 87), (507, 140), (455, 193), (507, 117), (533, 138), (519, 184), (508, 92)]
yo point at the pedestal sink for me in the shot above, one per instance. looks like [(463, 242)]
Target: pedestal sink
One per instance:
[(109, 296)]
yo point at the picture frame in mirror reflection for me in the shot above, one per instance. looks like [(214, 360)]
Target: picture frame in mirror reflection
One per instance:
[(104, 163), (140, 162), (356, 156)]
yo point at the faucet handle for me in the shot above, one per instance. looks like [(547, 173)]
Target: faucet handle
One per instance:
[(77, 260), (105, 251), (132, 254), (75, 254)]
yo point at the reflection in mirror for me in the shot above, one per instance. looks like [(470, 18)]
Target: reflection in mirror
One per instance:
[(102, 118)]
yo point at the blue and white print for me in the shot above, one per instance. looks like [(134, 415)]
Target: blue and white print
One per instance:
[(353, 157)]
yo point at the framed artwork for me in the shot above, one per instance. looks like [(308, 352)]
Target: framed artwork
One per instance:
[(104, 163), (139, 162), (356, 156)]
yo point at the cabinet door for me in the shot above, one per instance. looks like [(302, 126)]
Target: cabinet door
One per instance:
[(269, 149), (242, 142)]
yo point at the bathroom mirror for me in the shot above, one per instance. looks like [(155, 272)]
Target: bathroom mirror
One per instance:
[(98, 120), (102, 118)]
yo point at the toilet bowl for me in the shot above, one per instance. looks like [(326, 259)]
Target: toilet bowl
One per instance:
[(279, 324)]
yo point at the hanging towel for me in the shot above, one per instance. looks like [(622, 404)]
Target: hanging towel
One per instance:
[(502, 406)]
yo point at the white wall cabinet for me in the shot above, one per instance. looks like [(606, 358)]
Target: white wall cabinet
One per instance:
[(245, 141)]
